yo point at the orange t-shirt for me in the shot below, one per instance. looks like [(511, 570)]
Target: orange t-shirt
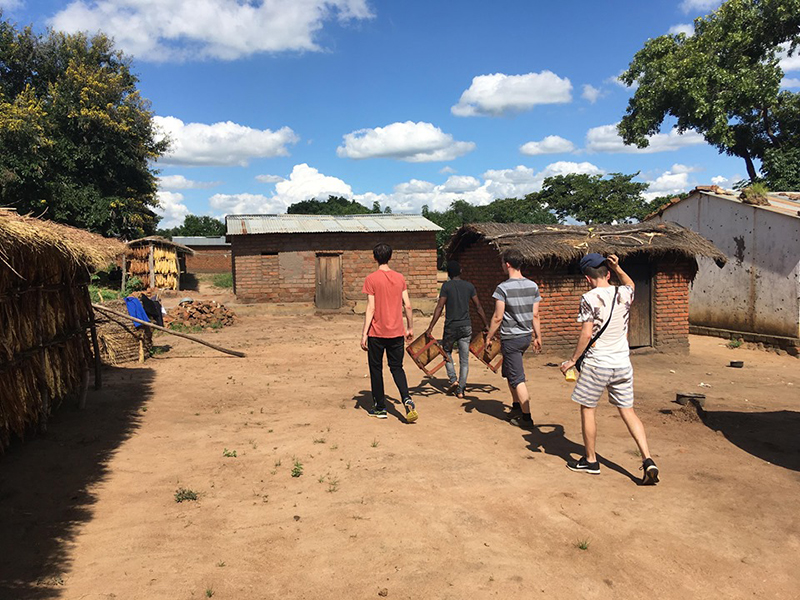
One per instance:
[(387, 287)]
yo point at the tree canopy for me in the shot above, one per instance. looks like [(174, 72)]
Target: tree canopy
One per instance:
[(723, 82), (196, 225), (76, 138), (334, 205), (594, 198)]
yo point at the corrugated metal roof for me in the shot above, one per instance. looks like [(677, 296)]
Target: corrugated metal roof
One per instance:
[(255, 224), (783, 203), (200, 240)]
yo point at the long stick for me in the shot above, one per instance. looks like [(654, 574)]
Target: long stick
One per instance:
[(179, 334)]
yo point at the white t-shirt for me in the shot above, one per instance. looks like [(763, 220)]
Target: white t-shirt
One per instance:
[(611, 350)]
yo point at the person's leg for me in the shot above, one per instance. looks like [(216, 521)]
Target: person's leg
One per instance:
[(395, 349), (620, 394), (375, 348), (463, 362), (589, 429), (447, 346), (636, 429)]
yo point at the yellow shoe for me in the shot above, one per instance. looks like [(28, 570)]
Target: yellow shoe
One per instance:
[(411, 410)]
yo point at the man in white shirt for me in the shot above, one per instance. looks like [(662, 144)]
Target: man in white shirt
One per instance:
[(606, 360)]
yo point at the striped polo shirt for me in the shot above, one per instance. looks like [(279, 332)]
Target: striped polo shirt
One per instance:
[(519, 295)]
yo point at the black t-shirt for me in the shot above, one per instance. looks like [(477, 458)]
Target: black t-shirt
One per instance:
[(458, 293)]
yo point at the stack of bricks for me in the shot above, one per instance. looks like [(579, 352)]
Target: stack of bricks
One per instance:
[(562, 287), (282, 267)]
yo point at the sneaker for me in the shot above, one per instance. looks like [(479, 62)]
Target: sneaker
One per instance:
[(650, 476), (583, 466), (411, 410), (518, 421), (378, 414), (452, 386), (516, 407)]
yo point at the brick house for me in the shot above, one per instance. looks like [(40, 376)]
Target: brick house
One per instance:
[(211, 254), (324, 259), (660, 258)]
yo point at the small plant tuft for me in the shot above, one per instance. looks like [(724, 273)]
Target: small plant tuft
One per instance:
[(185, 495), (375, 443), (733, 344), (319, 440), (229, 453), (333, 484), (209, 592), (297, 469), (582, 544)]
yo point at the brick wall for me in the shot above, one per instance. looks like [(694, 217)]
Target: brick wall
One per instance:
[(209, 259), (562, 287), (282, 267)]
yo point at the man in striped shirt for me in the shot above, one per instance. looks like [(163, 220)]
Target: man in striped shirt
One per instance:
[(516, 315)]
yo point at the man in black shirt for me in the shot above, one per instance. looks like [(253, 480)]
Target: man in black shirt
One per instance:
[(456, 295)]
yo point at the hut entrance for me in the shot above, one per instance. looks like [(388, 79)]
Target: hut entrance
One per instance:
[(640, 327), (329, 281)]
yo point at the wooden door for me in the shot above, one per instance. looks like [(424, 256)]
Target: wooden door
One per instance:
[(640, 327), (329, 281)]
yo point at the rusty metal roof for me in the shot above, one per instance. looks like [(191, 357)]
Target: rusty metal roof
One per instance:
[(377, 223), (783, 203)]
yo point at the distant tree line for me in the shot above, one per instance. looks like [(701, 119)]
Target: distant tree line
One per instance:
[(194, 225)]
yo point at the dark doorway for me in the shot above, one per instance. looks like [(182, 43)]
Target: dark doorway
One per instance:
[(329, 281), (640, 328)]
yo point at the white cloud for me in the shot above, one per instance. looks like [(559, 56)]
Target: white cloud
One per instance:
[(179, 182), (699, 5), (679, 168), (409, 141), (460, 183), (415, 186), (606, 139), (790, 82), (685, 28), (11, 4), (165, 30), (789, 63), (726, 182), (238, 204), (552, 144), (269, 178), (499, 94), (447, 169), (674, 181), (171, 209), (224, 143), (591, 93)]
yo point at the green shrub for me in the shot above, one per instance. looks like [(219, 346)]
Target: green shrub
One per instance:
[(222, 280)]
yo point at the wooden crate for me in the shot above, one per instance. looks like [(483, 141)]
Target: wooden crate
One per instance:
[(476, 346), (425, 352)]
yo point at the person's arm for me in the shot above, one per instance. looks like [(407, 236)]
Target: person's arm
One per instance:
[(613, 263), (368, 320), (537, 329), (437, 312), (476, 301), (583, 342), (409, 317), (494, 325)]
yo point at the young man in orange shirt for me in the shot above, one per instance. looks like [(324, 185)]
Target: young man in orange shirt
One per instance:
[(387, 297)]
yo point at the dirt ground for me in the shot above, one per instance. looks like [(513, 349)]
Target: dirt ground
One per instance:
[(458, 505)]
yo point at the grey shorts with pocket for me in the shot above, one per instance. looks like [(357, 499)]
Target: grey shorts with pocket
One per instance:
[(593, 381), (513, 349)]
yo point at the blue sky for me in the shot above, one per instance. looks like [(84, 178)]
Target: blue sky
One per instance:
[(269, 102)]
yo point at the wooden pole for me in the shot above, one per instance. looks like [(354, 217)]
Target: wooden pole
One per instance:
[(169, 331), (98, 363), (152, 264)]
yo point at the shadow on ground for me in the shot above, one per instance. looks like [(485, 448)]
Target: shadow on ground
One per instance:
[(770, 436), (46, 483)]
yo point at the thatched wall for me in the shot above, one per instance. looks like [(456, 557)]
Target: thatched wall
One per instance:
[(44, 314), (542, 244), (156, 261)]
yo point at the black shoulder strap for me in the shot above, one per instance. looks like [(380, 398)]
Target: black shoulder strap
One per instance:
[(603, 328)]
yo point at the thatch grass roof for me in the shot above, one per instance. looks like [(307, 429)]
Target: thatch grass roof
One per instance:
[(161, 241), (566, 243), (21, 235)]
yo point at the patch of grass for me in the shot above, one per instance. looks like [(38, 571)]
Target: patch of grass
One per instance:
[(185, 495), (375, 443), (277, 463), (297, 469), (229, 453), (334, 446), (582, 544), (333, 484), (158, 350), (733, 344), (221, 563), (322, 478), (209, 592), (319, 440), (222, 280), (181, 328)]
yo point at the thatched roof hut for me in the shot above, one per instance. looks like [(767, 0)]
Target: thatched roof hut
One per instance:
[(565, 243), (45, 310), (660, 257), (157, 261)]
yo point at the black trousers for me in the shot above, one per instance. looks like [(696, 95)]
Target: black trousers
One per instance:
[(394, 348)]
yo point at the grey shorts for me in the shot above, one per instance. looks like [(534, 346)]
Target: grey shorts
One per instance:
[(593, 381), (512, 350)]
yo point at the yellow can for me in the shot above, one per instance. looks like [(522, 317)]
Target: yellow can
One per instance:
[(571, 374)]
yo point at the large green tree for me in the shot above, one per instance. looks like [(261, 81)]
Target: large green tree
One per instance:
[(77, 140), (334, 205), (194, 225), (723, 82), (594, 198)]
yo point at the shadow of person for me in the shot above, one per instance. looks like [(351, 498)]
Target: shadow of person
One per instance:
[(770, 436), (363, 401), (491, 408), (549, 438)]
